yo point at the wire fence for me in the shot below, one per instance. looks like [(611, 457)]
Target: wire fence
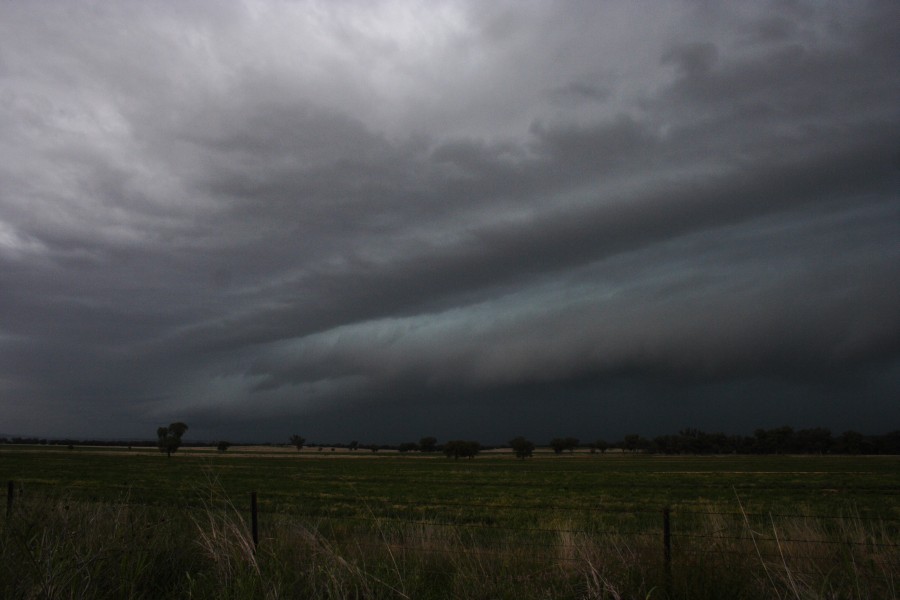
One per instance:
[(567, 532)]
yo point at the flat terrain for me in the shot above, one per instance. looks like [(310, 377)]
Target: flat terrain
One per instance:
[(493, 486), (119, 523)]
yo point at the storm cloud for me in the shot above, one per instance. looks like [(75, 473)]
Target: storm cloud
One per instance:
[(383, 220)]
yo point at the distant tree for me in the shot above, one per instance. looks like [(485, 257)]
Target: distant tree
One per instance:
[(408, 447), (851, 442), (633, 442), (890, 442), (297, 441), (223, 446), (600, 446), (169, 438), (666, 444), (471, 449), (428, 444), (522, 447), (814, 441), (558, 445), (461, 449), (693, 441), (561, 444), (780, 440), (354, 445)]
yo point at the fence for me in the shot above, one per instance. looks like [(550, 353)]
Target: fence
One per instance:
[(667, 540)]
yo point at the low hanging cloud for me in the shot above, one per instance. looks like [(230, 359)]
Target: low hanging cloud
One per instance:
[(274, 212)]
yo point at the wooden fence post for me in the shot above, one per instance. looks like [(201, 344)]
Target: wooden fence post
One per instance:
[(667, 545), (254, 522)]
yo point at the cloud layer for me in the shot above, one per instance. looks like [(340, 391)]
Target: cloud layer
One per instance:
[(382, 220)]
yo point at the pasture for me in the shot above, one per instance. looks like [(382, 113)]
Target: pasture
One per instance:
[(322, 482), (341, 524)]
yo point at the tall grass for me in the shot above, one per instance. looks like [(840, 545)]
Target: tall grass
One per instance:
[(57, 548)]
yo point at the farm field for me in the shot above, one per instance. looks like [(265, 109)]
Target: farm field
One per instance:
[(393, 526), (317, 482)]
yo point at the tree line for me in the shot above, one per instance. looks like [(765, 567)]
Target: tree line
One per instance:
[(779, 440), (453, 448)]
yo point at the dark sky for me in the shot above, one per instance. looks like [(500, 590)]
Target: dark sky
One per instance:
[(383, 220)]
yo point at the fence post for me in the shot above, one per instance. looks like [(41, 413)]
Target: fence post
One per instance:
[(667, 545), (254, 522), (10, 494)]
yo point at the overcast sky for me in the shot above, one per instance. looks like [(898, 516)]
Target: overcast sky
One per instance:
[(384, 220)]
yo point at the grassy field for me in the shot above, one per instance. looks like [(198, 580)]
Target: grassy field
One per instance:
[(336, 525), (316, 482)]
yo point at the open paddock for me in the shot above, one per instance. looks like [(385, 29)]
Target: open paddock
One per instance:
[(384, 525)]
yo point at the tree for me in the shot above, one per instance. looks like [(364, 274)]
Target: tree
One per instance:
[(560, 444), (634, 442), (814, 441), (223, 446), (522, 447), (851, 442), (461, 448), (600, 445), (428, 444), (353, 445), (298, 441), (407, 447), (169, 438), (890, 442), (775, 441)]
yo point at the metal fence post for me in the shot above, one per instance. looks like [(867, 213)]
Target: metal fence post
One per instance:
[(667, 545)]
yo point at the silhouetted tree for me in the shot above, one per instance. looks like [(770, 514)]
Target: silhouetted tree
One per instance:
[(814, 441), (666, 444), (522, 447), (560, 444), (223, 446), (771, 441), (297, 441), (169, 438), (890, 442), (407, 447), (428, 444), (634, 442), (851, 442), (461, 448), (353, 445), (600, 445)]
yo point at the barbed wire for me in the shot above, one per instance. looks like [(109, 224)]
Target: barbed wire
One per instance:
[(541, 508)]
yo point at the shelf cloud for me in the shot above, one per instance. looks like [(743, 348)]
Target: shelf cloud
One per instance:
[(384, 220)]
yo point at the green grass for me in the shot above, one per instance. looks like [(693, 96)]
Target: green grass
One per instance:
[(318, 483), (134, 524)]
